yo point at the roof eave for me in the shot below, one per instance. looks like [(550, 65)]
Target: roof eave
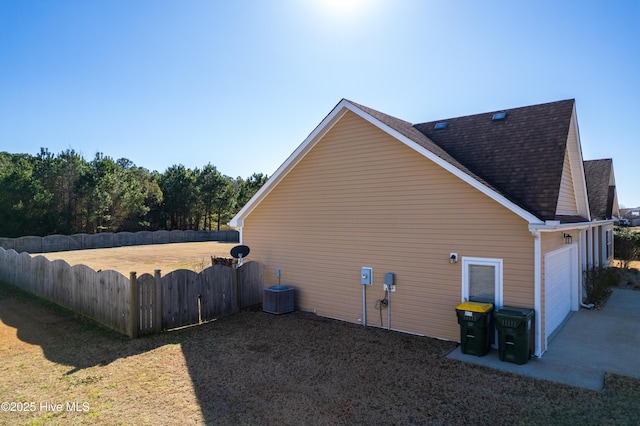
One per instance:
[(330, 120), (577, 168), (526, 215), (553, 225), (325, 125)]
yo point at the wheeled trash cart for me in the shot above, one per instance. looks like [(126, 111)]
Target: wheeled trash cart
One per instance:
[(515, 334), (474, 319)]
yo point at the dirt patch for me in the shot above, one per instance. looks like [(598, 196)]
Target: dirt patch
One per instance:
[(630, 279), (146, 259), (257, 368)]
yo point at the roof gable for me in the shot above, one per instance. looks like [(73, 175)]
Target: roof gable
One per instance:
[(517, 161), (567, 205), (521, 155), (601, 188)]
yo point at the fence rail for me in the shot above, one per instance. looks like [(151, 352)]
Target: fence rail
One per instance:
[(54, 243), (136, 305)]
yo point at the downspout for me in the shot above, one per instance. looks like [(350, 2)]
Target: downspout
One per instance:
[(537, 291), (596, 247), (239, 225), (583, 267), (589, 248), (603, 246)]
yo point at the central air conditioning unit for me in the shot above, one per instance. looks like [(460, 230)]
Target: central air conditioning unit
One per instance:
[(278, 299)]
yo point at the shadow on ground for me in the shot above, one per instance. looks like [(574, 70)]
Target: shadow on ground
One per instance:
[(257, 368), (64, 337)]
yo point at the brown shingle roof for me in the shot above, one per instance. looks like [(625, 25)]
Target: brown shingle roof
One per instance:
[(597, 174), (521, 156), (407, 129)]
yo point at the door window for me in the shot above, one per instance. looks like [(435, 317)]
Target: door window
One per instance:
[(482, 280), (482, 283)]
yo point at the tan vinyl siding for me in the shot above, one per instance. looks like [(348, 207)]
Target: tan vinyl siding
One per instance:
[(579, 190), (551, 241), (566, 197), (362, 198)]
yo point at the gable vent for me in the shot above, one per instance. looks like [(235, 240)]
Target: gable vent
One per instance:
[(440, 126), (499, 116)]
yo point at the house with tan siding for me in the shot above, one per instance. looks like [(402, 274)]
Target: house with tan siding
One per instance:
[(492, 207)]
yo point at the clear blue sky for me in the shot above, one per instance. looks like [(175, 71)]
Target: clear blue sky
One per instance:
[(242, 83)]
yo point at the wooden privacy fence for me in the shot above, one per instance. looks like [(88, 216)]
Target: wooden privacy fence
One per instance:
[(136, 305), (185, 297), (54, 243)]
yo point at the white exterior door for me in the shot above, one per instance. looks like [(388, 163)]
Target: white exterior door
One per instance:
[(560, 286), (482, 282)]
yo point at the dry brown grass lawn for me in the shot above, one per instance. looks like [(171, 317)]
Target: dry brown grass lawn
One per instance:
[(257, 368), (146, 259)]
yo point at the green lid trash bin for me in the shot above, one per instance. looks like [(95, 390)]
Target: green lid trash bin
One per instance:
[(474, 319), (515, 334)]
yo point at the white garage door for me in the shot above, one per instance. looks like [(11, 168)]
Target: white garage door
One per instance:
[(560, 268)]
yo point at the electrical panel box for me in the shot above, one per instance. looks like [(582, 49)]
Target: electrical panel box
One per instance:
[(390, 278), (366, 276), (390, 281)]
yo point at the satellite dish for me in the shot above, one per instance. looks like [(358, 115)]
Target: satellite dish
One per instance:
[(240, 251)]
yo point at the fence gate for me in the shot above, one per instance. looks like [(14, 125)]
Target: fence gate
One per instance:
[(149, 296), (183, 297)]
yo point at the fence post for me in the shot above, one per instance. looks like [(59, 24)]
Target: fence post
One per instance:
[(237, 288), (157, 302), (134, 305)]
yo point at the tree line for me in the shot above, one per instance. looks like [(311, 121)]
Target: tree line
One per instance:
[(48, 194)]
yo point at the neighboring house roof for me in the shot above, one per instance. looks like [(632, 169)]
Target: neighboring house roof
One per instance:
[(603, 200), (522, 160)]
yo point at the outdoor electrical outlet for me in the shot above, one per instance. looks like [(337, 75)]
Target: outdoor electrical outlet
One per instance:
[(390, 282)]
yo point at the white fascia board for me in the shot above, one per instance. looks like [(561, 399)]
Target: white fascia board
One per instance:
[(330, 120), (449, 167), (326, 125), (542, 227), (577, 168), (615, 212)]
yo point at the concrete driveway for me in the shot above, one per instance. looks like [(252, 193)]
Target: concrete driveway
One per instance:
[(588, 344)]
